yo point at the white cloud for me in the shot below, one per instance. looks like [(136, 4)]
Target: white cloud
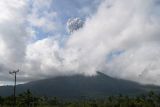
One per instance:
[(41, 54), (42, 16), (13, 36), (12, 30), (131, 27)]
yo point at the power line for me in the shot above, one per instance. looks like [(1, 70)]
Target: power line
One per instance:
[(14, 90)]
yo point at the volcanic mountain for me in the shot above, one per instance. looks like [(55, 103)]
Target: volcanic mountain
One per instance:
[(77, 86)]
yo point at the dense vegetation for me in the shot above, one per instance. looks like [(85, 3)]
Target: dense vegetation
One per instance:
[(27, 99)]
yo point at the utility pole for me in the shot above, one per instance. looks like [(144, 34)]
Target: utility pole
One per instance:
[(15, 79)]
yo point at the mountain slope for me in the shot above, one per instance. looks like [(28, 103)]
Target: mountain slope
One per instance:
[(76, 86)]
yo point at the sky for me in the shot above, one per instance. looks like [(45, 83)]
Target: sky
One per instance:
[(48, 38)]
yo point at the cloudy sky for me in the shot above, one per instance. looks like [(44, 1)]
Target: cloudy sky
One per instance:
[(45, 38)]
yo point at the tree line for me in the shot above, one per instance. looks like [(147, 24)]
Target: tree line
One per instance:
[(27, 99)]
